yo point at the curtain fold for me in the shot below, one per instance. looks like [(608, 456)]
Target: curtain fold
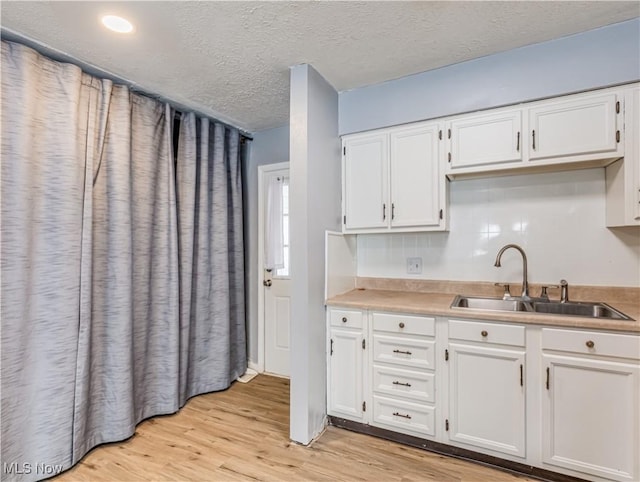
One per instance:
[(44, 195), (128, 368), (122, 267), (211, 256)]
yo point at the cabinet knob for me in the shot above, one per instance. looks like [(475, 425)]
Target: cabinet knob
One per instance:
[(590, 344), (344, 319), (401, 324), (484, 333)]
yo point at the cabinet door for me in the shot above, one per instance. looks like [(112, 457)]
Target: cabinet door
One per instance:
[(415, 184), (590, 416), (633, 141), (366, 182), (494, 138), (583, 126), (345, 397), (487, 398)]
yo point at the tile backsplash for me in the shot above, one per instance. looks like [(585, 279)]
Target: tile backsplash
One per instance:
[(557, 218)]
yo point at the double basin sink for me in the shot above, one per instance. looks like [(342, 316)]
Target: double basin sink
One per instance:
[(515, 305)]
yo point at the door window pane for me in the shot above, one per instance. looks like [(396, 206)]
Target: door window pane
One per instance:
[(284, 272)]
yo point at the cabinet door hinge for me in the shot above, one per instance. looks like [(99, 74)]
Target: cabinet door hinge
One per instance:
[(331, 352), (440, 134), (364, 406), (446, 355), (344, 219), (617, 136), (449, 157), (446, 425), (449, 133), (344, 151), (617, 107), (364, 344), (441, 214)]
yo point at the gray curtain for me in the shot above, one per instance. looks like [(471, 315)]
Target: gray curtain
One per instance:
[(46, 183), (122, 275), (212, 316), (129, 345)]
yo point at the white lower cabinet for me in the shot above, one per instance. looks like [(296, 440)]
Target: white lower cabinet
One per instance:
[(466, 383), (403, 367), (346, 368), (591, 403), (487, 398), (486, 386)]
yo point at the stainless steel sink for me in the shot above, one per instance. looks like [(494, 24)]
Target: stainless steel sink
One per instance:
[(489, 304), (584, 309), (590, 310)]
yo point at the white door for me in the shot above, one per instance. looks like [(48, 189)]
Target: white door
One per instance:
[(494, 138), (415, 181), (586, 125), (277, 289), (366, 164), (590, 411), (487, 398), (345, 374)]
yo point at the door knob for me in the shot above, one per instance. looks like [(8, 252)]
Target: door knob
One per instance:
[(267, 282)]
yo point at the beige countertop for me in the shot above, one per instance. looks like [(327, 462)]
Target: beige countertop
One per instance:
[(438, 304)]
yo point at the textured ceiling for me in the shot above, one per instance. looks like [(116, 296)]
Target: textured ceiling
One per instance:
[(232, 59)]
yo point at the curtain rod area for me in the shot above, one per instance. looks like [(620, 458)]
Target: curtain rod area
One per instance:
[(60, 56)]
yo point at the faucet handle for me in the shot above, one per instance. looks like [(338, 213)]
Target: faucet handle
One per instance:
[(543, 291), (507, 292)]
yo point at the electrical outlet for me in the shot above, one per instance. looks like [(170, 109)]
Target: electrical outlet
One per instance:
[(414, 265)]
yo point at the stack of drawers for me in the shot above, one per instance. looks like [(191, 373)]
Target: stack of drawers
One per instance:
[(403, 378)]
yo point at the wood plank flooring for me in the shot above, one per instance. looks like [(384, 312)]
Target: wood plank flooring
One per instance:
[(243, 434)]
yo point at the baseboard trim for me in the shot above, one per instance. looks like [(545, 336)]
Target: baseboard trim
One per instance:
[(451, 451)]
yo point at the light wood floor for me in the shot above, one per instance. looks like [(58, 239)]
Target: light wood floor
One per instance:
[(243, 434)]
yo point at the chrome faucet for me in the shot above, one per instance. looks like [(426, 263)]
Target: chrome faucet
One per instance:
[(525, 283), (564, 291)]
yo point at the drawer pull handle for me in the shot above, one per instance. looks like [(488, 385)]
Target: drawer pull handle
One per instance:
[(344, 319), (590, 344), (484, 333), (401, 324), (403, 352), (396, 414), (401, 383)]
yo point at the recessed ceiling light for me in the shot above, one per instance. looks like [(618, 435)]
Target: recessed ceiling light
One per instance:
[(117, 24)]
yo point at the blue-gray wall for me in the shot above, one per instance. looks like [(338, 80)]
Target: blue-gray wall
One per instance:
[(270, 146), (598, 58)]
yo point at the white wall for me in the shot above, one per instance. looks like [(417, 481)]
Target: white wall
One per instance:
[(558, 218), (314, 207), (597, 58), (268, 147)]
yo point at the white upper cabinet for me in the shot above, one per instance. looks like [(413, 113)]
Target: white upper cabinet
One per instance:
[(569, 132), (623, 176), (580, 125), (365, 181), (415, 186), (393, 181), (494, 138)]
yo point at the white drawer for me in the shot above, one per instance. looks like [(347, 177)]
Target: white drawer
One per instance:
[(592, 343), (487, 332), (407, 324), (404, 383), (408, 352), (346, 318), (406, 417)]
